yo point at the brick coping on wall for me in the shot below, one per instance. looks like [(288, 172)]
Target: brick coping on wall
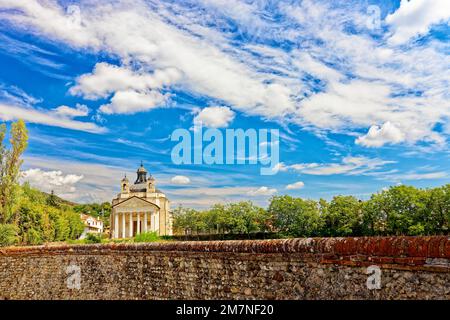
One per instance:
[(430, 253)]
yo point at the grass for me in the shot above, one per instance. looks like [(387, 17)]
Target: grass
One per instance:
[(140, 238), (147, 237), (143, 237)]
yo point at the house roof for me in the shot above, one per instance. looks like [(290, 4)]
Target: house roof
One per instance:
[(84, 217), (154, 204)]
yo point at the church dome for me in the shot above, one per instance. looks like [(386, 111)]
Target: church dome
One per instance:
[(141, 168), (125, 179), (141, 175)]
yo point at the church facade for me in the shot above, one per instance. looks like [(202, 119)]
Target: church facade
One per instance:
[(140, 207)]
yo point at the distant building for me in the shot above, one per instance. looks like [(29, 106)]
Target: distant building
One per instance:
[(92, 225), (140, 207)]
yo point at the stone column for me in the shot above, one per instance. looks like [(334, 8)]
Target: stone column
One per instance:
[(152, 220), (145, 221), (123, 225), (157, 221), (131, 224), (138, 231), (116, 225)]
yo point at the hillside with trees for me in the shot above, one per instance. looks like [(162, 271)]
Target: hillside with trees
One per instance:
[(27, 215)]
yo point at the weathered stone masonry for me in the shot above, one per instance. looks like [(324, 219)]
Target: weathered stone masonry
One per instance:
[(317, 268)]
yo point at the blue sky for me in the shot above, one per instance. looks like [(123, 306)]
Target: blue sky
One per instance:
[(358, 89)]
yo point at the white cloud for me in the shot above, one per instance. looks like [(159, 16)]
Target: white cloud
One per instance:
[(11, 112), (79, 111), (280, 166), (180, 180), (215, 117), (379, 136), (296, 185), (128, 102), (100, 181), (415, 17), (106, 79), (262, 191), (51, 180), (346, 103)]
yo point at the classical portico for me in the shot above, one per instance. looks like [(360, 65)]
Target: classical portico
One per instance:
[(134, 216), (140, 208)]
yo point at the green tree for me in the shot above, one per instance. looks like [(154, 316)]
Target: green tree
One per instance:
[(10, 163), (8, 234), (212, 217), (400, 210), (224, 218), (436, 217), (62, 228), (343, 217), (188, 221), (295, 216), (245, 217), (52, 200), (30, 222), (76, 226)]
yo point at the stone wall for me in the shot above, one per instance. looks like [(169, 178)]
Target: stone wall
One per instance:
[(317, 268)]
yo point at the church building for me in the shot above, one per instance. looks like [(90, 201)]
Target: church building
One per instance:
[(140, 207)]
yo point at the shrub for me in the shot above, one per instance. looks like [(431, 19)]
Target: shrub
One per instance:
[(146, 237), (32, 237), (8, 234), (93, 238)]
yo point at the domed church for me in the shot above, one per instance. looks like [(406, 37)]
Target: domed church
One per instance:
[(140, 207)]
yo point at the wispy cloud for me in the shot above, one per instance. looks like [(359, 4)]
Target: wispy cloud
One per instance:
[(17, 104), (349, 165), (412, 176), (11, 112), (335, 76), (15, 95), (33, 57)]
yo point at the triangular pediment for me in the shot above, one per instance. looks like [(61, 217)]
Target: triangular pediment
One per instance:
[(135, 202)]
